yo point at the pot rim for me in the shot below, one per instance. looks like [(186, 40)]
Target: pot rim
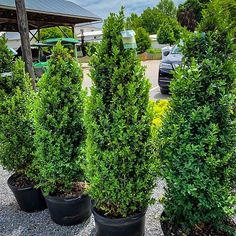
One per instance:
[(11, 179), (115, 221), (64, 199)]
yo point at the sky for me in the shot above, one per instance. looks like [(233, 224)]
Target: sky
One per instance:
[(102, 8)]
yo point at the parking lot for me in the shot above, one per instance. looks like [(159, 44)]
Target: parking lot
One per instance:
[(151, 74)]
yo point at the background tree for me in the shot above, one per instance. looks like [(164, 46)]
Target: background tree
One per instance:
[(169, 32), (176, 27), (142, 39), (189, 14), (167, 7), (55, 32), (165, 34), (151, 19), (133, 22)]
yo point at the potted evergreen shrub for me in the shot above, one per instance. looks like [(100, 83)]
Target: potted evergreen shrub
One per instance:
[(16, 131), (119, 163), (198, 140), (59, 139), (6, 56)]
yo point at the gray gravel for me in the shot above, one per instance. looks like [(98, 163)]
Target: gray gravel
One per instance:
[(14, 222)]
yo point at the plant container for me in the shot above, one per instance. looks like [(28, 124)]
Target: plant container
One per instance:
[(29, 198), (69, 211), (129, 226), (167, 228)]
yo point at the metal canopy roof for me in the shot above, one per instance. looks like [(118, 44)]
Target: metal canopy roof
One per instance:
[(45, 13), (62, 40)]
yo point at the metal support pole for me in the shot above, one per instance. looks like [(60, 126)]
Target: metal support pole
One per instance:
[(63, 32)]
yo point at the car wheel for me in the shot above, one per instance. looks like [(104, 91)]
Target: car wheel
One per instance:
[(164, 91)]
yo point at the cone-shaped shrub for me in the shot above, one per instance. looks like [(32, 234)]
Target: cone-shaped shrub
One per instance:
[(198, 137), (59, 130), (6, 56), (120, 163), (16, 132)]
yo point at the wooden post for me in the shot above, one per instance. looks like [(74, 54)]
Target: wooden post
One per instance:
[(23, 28), (39, 34), (73, 31), (40, 49), (82, 43)]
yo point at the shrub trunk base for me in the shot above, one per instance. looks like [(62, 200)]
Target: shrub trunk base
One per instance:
[(69, 211), (28, 198), (130, 226)]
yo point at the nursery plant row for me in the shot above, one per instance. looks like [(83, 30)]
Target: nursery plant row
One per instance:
[(102, 154)]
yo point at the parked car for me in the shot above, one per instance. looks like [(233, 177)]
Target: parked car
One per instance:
[(171, 60)]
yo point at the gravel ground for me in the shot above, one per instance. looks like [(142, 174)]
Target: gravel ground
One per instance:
[(14, 222)]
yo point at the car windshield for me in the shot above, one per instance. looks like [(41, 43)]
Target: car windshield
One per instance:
[(175, 50)]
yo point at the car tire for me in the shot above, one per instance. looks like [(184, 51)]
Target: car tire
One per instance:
[(164, 91)]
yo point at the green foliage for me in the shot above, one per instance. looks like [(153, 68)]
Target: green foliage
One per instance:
[(168, 7), (133, 22), (197, 141), (154, 50), (58, 120), (177, 28), (55, 32), (16, 132), (159, 110), (151, 19), (6, 56), (169, 32), (218, 15), (230, 7), (189, 13), (195, 46), (91, 48), (120, 163), (142, 39), (165, 34)]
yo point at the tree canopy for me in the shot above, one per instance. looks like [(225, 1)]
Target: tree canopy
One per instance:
[(152, 18), (189, 13), (55, 32), (168, 7), (142, 39)]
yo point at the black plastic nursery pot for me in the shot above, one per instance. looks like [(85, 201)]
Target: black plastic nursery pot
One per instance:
[(167, 228), (29, 198), (69, 211), (130, 226)]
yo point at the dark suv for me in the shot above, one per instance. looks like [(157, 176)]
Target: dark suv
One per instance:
[(171, 60)]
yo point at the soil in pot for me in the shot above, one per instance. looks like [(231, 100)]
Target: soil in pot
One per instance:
[(69, 208), (29, 198), (130, 226), (202, 230)]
